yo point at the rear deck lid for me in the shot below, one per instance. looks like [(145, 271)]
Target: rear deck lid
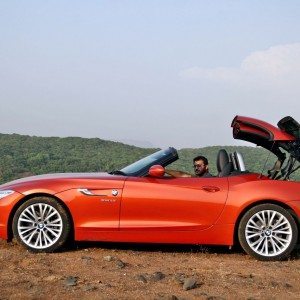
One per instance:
[(259, 132), (270, 137)]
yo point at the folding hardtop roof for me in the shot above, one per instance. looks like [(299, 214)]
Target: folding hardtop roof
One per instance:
[(266, 135), (254, 130)]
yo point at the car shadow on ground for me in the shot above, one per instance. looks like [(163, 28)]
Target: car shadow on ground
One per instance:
[(167, 248)]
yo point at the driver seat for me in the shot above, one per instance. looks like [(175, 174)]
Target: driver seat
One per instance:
[(224, 165)]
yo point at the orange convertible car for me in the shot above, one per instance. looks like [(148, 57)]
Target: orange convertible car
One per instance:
[(140, 204)]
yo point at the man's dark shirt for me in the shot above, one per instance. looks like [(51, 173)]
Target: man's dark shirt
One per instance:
[(205, 175)]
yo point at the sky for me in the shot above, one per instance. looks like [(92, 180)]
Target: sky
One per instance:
[(155, 73)]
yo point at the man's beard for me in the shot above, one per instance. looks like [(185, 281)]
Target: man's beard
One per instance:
[(200, 172)]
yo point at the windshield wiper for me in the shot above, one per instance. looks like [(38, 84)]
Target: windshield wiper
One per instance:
[(117, 172)]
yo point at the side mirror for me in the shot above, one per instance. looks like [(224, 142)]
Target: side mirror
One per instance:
[(157, 171)]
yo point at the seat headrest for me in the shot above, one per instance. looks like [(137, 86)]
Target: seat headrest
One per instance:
[(222, 160)]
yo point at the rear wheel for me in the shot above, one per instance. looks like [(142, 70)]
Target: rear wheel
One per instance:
[(268, 232), (41, 224)]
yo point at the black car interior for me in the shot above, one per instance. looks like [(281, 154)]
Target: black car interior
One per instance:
[(230, 164)]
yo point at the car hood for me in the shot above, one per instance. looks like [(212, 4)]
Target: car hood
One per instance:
[(53, 183)]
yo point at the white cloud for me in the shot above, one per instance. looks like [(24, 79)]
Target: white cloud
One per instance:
[(276, 67)]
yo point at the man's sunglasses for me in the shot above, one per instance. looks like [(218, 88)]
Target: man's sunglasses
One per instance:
[(198, 166)]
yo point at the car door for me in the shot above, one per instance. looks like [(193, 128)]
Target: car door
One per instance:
[(172, 204)]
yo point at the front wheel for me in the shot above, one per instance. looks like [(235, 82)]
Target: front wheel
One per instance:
[(41, 224), (268, 232)]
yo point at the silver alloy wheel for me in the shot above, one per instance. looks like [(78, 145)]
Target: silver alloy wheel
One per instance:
[(40, 226), (268, 233)]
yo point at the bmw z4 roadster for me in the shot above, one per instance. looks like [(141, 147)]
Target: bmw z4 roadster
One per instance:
[(140, 204)]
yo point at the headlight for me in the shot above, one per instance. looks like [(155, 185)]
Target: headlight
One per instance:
[(5, 193)]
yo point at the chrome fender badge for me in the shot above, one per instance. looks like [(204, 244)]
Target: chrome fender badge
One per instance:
[(114, 192)]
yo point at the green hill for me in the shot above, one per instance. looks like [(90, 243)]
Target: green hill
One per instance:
[(22, 155)]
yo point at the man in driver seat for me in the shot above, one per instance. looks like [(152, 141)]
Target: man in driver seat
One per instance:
[(200, 164)]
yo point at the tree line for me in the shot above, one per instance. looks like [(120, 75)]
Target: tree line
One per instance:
[(23, 155)]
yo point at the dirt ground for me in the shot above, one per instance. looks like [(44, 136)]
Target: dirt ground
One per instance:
[(126, 271)]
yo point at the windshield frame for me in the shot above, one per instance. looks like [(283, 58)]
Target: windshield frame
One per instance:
[(141, 167)]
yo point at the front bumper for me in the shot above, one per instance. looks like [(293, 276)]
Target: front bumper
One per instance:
[(7, 205)]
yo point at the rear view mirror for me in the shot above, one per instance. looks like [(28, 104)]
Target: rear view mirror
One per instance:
[(157, 171)]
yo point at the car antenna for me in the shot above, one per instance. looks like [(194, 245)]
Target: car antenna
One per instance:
[(264, 165), (260, 175)]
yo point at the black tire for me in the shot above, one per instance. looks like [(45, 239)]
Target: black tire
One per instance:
[(41, 224), (268, 232)]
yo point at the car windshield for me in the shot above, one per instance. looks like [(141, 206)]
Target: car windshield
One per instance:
[(140, 167)]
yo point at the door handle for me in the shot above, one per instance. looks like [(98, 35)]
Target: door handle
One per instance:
[(210, 189)]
